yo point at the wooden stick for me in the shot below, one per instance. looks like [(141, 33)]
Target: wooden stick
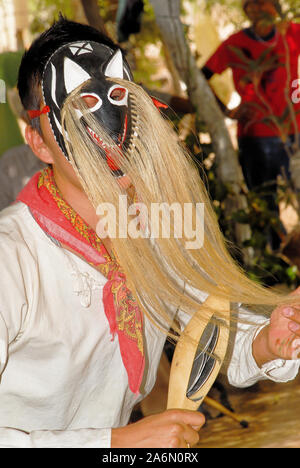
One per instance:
[(216, 405), (184, 354)]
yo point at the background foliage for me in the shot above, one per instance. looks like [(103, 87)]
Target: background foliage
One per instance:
[(266, 266)]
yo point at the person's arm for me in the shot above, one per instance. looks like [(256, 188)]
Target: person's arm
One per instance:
[(264, 349), (208, 74), (241, 112), (16, 265), (170, 429), (257, 351), (280, 338), (10, 324), (78, 438), (217, 64)]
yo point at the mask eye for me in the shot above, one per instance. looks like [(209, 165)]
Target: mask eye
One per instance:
[(92, 101), (118, 94)]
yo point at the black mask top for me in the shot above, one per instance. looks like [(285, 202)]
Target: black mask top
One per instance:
[(76, 63)]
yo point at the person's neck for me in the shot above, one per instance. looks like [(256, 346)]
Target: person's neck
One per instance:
[(262, 30), (77, 199)]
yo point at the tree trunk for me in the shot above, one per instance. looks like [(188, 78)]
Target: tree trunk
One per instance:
[(167, 15), (78, 12), (92, 14)]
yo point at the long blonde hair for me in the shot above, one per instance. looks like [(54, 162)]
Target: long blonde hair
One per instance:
[(162, 273)]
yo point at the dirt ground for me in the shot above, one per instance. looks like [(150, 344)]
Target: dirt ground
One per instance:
[(272, 411)]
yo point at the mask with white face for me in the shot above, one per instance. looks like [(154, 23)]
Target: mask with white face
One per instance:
[(94, 66)]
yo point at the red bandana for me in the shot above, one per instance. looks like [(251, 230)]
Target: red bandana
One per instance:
[(60, 221)]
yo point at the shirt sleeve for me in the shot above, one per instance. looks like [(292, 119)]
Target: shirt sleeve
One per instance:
[(78, 438), (242, 370), (220, 60), (13, 302), (15, 281), (3, 344)]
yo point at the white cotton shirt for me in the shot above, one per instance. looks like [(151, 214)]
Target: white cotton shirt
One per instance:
[(63, 383)]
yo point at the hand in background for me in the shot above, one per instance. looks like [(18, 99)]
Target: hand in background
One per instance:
[(242, 113), (281, 338)]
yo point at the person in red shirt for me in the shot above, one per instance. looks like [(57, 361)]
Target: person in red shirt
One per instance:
[(264, 63)]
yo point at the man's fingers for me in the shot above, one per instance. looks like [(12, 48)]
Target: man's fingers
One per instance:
[(183, 435), (186, 424), (294, 319), (293, 309), (294, 327), (192, 418), (292, 314), (191, 436), (197, 428)]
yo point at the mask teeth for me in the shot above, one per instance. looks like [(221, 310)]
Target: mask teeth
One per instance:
[(96, 137), (134, 136), (135, 127), (99, 140)]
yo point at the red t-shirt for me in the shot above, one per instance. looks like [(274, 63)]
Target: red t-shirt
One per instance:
[(276, 86)]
